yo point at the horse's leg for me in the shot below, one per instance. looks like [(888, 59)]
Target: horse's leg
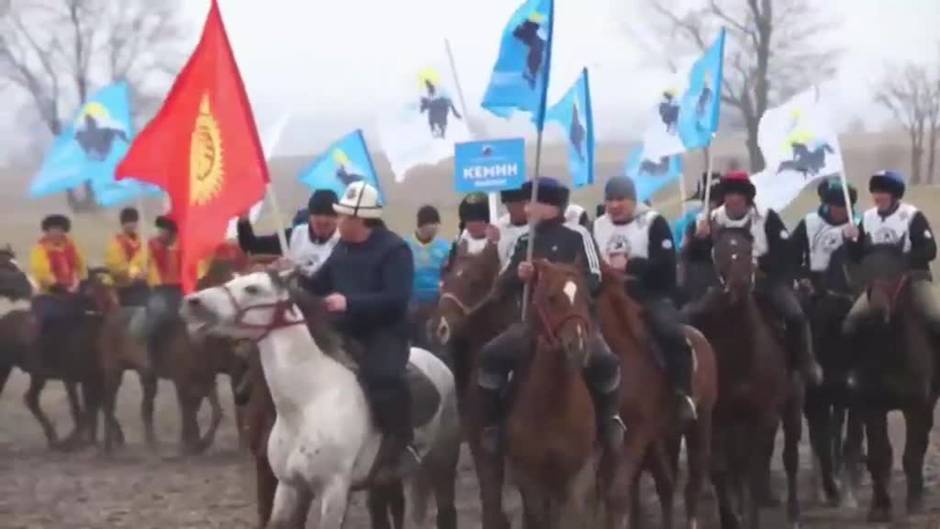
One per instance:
[(758, 466), (919, 421), (148, 386), (290, 507), (698, 454), (721, 478), (5, 371), (879, 464), (215, 418), (792, 433), (618, 488), (490, 472), (442, 474), (265, 487), (377, 504), (819, 419), (92, 392), (78, 416), (189, 408), (334, 502), (852, 457), (664, 477), (31, 399)]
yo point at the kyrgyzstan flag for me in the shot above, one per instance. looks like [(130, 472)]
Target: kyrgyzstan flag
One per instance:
[(202, 148)]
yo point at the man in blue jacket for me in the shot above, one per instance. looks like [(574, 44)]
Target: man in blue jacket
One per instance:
[(367, 282), (430, 255)]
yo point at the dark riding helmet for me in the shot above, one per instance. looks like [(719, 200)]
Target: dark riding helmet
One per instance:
[(166, 223), (129, 215), (474, 207), (56, 221), (508, 196), (888, 182), (830, 192), (321, 203), (550, 191)]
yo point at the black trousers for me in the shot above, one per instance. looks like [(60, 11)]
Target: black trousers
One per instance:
[(665, 323), (382, 374)]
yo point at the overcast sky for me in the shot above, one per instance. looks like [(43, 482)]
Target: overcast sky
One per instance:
[(338, 64)]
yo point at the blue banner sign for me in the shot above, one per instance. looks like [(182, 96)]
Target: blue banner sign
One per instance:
[(489, 166)]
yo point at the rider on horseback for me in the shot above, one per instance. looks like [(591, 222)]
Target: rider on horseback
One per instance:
[(58, 267), (820, 234), (513, 224), (638, 241), (125, 261), (367, 283), (773, 253), (557, 243), (309, 243), (164, 277), (475, 228), (894, 223)]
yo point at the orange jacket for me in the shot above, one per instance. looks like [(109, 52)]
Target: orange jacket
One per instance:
[(164, 262), (57, 264)]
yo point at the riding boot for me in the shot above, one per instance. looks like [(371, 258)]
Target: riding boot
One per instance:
[(396, 456), (490, 435), (800, 343), (610, 427), (682, 384)]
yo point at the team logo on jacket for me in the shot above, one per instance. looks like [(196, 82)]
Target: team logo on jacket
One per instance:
[(885, 235), (618, 244)]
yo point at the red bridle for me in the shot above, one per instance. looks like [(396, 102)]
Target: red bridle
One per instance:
[(551, 326), (279, 318)]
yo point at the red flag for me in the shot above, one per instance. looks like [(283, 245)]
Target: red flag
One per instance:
[(202, 148)]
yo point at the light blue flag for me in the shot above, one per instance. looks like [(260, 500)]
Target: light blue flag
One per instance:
[(520, 76), (573, 113), (344, 162), (652, 175), (90, 148), (682, 224), (701, 102)]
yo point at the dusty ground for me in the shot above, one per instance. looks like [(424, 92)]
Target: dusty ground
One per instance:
[(138, 489)]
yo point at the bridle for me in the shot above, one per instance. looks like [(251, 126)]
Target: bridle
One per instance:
[(279, 319), (895, 293), (551, 326), (465, 310)]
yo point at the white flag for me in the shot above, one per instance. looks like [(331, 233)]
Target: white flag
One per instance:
[(425, 126), (268, 144), (799, 146)]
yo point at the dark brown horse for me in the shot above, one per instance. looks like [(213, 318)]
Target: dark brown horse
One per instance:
[(550, 425), (834, 428), (895, 370), (755, 388), (17, 325), (649, 406), (467, 317)]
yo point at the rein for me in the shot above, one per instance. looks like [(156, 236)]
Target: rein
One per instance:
[(551, 326), (898, 289), (464, 309), (279, 318)]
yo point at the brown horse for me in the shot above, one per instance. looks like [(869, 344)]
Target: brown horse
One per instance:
[(191, 364), (755, 389), (467, 317), (649, 407), (17, 325), (550, 425), (895, 370)]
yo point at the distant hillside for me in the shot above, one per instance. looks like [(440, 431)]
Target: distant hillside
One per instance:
[(864, 154)]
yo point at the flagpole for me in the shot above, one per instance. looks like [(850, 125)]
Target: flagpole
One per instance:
[(706, 206), (530, 247), (278, 219), (144, 236)]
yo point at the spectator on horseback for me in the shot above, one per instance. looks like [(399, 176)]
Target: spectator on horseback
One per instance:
[(58, 267), (557, 243), (893, 223), (819, 235), (164, 275), (475, 228), (125, 260), (774, 255), (309, 244), (367, 283), (638, 241), (513, 224), (430, 255)]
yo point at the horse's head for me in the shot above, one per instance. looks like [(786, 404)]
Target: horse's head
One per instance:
[(98, 293), (886, 276), (733, 255), (247, 307), (560, 310), (464, 288)]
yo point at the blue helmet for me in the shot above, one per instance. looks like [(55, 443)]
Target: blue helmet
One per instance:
[(888, 181)]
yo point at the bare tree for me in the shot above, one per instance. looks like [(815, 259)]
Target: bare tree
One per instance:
[(775, 49), (58, 51), (912, 94)]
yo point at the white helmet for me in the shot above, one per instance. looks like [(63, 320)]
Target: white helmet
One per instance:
[(360, 200)]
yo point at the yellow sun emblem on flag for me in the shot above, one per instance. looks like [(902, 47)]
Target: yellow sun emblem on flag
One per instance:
[(206, 169)]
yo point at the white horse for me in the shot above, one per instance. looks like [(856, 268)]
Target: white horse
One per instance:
[(323, 443)]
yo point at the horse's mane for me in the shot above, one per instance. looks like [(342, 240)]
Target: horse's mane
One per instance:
[(614, 287), (321, 329)]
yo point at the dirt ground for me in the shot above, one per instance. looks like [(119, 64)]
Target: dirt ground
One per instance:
[(140, 489)]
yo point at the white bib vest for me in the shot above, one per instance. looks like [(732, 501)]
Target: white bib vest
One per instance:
[(474, 246), (309, 255), (891, 230), (756, 219), (824, 239), (631, 239), (508, 235)]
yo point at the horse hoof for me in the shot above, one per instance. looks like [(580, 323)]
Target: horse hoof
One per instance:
[(879, 515)]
